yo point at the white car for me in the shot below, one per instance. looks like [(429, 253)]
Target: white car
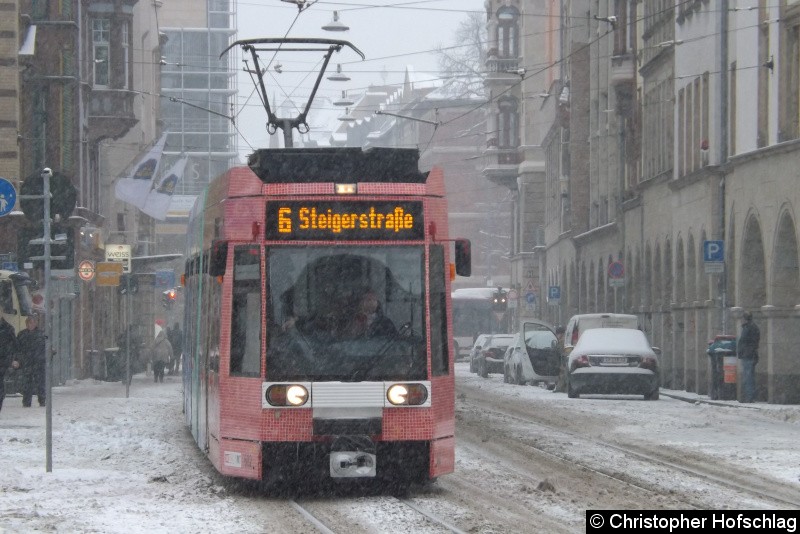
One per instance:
[(533, 356), (580, 323), (613, 361), (476, 349)]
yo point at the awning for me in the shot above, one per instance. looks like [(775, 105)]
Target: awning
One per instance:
[(29, 43)]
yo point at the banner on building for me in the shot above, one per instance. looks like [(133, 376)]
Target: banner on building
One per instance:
[(160, 195), (135, 188)]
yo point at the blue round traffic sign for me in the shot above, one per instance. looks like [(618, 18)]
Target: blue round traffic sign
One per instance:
[(8, 197), (616, 269)]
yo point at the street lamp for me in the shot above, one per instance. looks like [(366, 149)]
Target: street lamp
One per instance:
[(48, 366), (46, 240), (336, 25)]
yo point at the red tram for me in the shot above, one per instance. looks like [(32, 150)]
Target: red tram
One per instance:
[(318, 322)]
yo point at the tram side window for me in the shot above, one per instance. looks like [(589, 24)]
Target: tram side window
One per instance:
[(438, 315), (246, 312)]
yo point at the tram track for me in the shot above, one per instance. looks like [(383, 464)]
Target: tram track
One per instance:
[(664, 461), (333, 517)]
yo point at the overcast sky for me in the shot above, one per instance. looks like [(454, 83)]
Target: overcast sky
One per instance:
[(392, 34)]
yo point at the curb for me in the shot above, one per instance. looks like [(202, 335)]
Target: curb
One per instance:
[(727, 404)]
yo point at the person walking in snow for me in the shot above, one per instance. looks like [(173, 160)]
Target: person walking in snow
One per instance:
[(31, 362), (175, 337), (160, 354)]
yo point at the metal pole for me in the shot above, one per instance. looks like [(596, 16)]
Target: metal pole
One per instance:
[(723, 147), (48, 383), (128, 338)]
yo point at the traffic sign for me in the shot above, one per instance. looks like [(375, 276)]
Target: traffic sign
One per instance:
[(121, 254), (512, 299), (714, 251), (108, 273), (8, 197), (554, 294), (616, 269), (86, 270)]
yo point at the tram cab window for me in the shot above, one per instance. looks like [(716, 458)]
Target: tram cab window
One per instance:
[(246, 312), (317, 293), (439, 348)]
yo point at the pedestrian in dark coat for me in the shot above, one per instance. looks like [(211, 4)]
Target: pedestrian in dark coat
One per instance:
[(161, 354), (31, 362), (8, 348), (175, 337), (747, 350)]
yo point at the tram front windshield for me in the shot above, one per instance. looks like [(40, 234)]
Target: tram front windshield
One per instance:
[(346, 315)]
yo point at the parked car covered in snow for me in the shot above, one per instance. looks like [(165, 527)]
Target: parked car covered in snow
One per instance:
[(613, 361), (534, 355)]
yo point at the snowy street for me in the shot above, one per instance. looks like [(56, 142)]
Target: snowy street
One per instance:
[(524, 456)]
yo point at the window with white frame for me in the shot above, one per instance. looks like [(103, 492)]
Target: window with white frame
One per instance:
[(101, 39)]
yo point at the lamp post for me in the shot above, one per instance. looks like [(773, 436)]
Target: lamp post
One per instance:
[(46, 174), (48, 366)]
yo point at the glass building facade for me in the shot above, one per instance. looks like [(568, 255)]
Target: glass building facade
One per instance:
[(199, 91)]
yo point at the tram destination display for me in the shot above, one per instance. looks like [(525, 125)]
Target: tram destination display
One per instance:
[(354, 220)]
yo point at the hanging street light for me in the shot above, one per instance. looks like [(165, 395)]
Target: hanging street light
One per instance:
[(347, 117), (344, 101), (336, 25), (339, 76)]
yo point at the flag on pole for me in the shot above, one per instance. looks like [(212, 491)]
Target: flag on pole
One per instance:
[(135, 188), (160, 194)]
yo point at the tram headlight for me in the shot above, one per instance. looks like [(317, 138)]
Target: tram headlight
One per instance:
[(286, 395), (407, 394)]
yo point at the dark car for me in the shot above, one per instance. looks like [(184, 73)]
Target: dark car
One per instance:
[(489, 359)]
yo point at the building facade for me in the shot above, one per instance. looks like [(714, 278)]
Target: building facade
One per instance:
[(673, 131)]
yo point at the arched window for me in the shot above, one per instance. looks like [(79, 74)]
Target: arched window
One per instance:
[(508, 32), (507, 123)]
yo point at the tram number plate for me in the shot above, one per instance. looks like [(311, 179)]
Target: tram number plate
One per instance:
[(352, 464), (614, 360)]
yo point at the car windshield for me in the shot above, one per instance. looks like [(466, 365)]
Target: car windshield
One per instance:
[(501, 341), (355, 315)]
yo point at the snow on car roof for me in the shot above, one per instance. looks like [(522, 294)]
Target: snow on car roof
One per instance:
[(612, 341)]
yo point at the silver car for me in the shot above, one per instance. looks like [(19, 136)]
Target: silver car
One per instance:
[(534, 355), (613, 361)]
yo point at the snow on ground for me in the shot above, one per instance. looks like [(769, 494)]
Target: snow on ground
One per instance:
[(118, 465), (129, 465), (761, 437)]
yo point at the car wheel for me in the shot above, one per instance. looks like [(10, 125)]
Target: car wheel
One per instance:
[(483, 368), (472, 368), (653, 395), (571, 393), (519, 379)]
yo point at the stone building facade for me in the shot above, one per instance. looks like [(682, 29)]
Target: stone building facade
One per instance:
[(675, 125)]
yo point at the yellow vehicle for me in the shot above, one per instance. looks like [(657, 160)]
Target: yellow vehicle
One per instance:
[(16, 302), (15, 305)]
